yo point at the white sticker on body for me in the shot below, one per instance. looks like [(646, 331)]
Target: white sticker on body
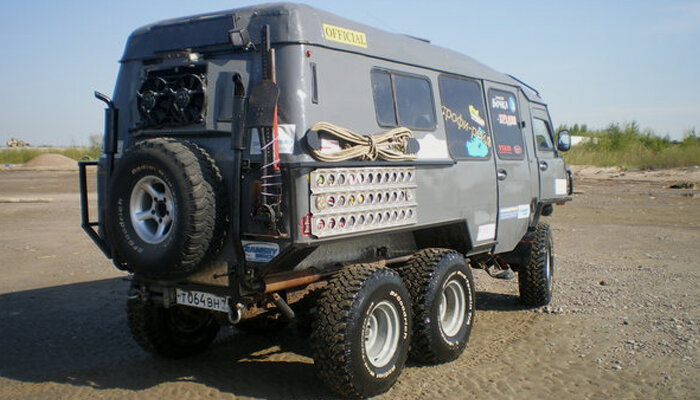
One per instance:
[(286, 134), (486, 232), (560, 186), (523, 211)]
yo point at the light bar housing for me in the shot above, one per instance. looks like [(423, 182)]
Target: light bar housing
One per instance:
[(349, 200)]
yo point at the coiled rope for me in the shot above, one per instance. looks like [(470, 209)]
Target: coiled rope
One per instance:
[(390, 145)]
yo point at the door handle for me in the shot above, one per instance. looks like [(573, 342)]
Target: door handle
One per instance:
[(543, 166), (502, 174)]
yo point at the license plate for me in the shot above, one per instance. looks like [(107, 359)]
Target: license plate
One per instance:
[(204, 300)]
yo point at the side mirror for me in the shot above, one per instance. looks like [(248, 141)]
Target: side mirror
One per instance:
[(564, 141)]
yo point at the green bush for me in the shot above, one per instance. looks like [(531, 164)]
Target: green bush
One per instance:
[(628, 146)]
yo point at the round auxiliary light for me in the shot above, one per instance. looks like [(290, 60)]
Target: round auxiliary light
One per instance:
[(321, 202)]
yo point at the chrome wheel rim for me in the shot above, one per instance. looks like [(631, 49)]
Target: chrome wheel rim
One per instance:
[(452, 308), (382, 329), (152, 209)]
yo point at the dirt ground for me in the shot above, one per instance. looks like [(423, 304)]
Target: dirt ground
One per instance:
[(623, 323)]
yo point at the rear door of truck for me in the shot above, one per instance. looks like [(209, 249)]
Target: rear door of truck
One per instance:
[(512, 167), (552, 170)]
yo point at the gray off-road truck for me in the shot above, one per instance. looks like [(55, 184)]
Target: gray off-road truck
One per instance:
[(279, 163)]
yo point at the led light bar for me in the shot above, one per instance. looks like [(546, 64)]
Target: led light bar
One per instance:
[(348, 200)]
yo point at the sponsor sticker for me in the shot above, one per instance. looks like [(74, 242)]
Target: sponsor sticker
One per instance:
[(345, 36), (521, 211), (286, 134), (260, 251), (474, 114), (285, 138), (486, 232)]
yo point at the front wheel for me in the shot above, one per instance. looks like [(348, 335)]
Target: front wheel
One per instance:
[(536, 278), (361, 331)]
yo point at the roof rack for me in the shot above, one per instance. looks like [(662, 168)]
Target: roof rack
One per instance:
[(526, 85)]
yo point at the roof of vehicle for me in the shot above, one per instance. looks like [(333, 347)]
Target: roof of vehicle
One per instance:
[(298, 23)]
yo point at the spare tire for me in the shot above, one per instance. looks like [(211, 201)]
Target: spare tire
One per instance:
[(162, 210)]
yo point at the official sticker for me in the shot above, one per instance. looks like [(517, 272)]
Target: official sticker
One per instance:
[(345, 36), (260, 251), (486, 232)]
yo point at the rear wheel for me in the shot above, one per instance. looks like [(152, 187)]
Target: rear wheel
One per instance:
[(174, 332), (442, 290), (536, 277), (361, 331)]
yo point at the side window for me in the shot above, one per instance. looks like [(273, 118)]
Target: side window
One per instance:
[(463, 111), (383, 98), (543, 136), (414, 101), (506, 125), (403, 100)]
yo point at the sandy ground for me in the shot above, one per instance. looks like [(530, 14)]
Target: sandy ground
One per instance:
[(623, 323)]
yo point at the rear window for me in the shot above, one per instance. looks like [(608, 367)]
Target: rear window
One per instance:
[(403, 100), (464, 113), (506, 125)]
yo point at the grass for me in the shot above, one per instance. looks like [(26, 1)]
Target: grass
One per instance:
[(629, 147), (24, 154)]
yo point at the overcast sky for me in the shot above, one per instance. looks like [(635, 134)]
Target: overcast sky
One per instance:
[(594, 62)]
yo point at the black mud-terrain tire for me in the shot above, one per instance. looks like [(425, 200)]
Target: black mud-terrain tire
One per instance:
[(177, 169), (428, 275), (536, 277), (174, 332), (342, 325)]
